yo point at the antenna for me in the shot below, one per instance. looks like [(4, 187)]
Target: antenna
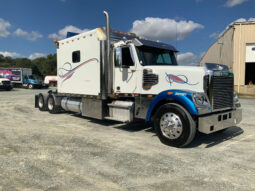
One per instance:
[(176, 37)]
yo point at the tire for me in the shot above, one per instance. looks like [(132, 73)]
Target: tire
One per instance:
[(9, 89), (30, 86), (180, 129), (41, 103), (51, 105)]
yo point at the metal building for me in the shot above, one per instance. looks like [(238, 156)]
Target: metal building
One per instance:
[(236, 49)]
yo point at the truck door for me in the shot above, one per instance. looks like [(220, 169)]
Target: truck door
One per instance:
[(25, 79), (124, 70)]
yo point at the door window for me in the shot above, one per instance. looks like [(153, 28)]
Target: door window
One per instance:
[(123, 57)]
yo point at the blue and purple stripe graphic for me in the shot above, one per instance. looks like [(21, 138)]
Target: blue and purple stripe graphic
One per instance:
[(66, 71)]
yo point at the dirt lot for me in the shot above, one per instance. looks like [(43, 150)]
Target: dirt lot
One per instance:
[(41, 151)]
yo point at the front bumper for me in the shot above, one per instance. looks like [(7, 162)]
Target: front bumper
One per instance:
[(215, 122), (6, 86), (37, 85)]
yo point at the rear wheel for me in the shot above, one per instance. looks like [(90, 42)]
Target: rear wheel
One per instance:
[(174, 125), (41, 104), (52, 107)]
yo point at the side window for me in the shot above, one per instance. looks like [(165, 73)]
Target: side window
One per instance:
[(127, 57), (123, 57), (117, 57), (76, 56)]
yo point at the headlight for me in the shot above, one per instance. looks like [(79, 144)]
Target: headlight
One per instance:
[(236, 100), (200, 99), (235, 97)]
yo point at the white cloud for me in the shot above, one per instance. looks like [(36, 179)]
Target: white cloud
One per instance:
[(214, 35), (32, 36), (232, 3), (240, 20), (187, 59), (62, 32), (164, 28), (252, 19), (4, 25), (36, 55), (10, 54)]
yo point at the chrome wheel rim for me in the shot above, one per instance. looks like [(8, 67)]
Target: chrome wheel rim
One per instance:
[(40, 102), (171, 126), (50, 103), (30, 86)]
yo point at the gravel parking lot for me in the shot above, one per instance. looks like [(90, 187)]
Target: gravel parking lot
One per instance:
[(41, 151)]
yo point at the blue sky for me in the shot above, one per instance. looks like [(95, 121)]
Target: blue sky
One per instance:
[(28, 27)]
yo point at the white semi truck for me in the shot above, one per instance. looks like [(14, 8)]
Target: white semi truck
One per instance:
[(110, 75), (5, 83)]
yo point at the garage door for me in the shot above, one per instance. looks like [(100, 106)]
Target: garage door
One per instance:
[(250, 64), (250, 52)]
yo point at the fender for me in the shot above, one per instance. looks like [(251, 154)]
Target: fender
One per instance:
[(181, 96)]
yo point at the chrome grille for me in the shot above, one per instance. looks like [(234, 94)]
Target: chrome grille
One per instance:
[(6, 82), (222, 89)]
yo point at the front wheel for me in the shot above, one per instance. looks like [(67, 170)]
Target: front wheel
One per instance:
[(174, 125), (30, 86)]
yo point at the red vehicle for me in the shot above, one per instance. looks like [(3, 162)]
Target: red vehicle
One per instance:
[(51, 80)]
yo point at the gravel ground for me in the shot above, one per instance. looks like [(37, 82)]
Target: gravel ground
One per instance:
[(41, 151)]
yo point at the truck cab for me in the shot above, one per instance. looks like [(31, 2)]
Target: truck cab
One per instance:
[(107, 74), (5, 83), (30, 81)]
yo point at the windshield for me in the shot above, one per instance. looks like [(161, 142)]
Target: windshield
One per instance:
[(155, 56), (31, 77)]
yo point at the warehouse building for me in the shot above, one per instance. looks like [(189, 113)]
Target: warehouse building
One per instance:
[(236, 49)]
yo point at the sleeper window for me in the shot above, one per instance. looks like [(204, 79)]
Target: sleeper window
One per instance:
[(76, 56)]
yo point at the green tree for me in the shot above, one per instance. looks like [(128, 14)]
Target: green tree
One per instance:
[(40, 66)]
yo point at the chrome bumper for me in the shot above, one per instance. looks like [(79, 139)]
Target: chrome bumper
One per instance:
[(219, 121)]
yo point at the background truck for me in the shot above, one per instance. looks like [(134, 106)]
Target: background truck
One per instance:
[(106, 74), (21, 77), (5, 83), (51, 80)]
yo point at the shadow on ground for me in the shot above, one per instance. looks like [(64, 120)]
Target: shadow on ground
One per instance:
[(216, 138), (209, 140)]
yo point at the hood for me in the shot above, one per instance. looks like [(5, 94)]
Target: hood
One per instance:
[(177, 77), (4, 79)]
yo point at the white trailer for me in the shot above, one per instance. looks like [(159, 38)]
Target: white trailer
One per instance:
[(51, 80), (106, 74)]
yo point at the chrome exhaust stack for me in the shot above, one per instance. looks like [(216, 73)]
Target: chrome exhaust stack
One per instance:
[(107, 65)]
